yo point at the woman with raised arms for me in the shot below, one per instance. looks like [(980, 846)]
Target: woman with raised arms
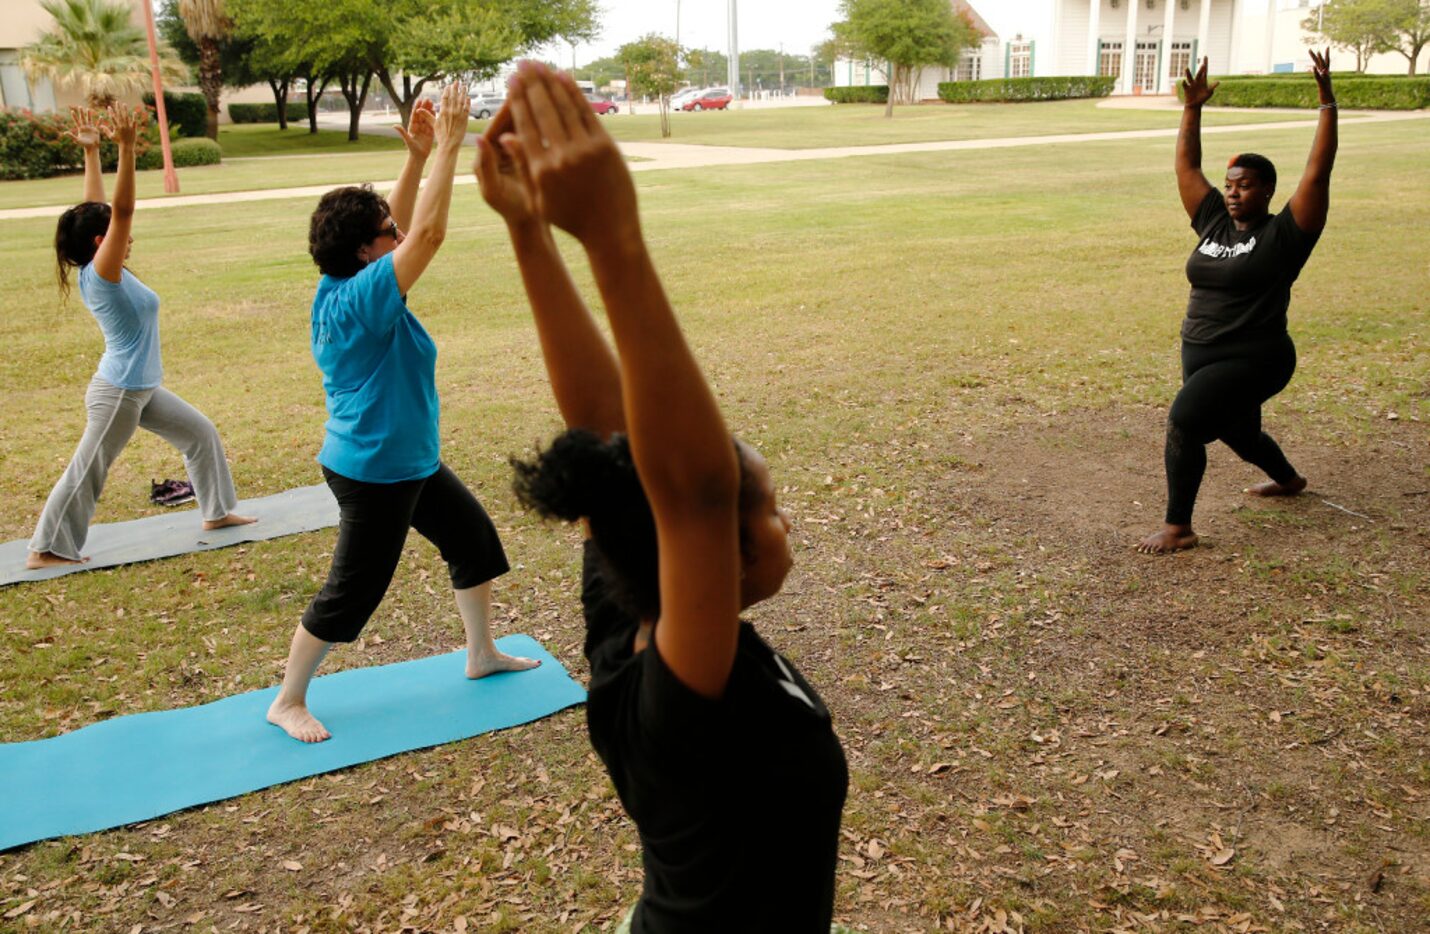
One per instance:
[(127, 392), (721, 752), (380, 453), (1236, 350)]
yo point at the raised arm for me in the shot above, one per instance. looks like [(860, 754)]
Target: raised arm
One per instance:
[(86, 132), (1312, 197), (419, 135), (429, 222), (682, 450), (124, 125), (1192, 185), (585, 377)]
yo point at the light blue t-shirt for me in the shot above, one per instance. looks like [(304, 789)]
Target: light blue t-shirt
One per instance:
[(128, 314), (380, 378)]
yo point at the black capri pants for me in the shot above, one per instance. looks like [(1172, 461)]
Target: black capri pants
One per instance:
[(373, 519), (1223, 388)]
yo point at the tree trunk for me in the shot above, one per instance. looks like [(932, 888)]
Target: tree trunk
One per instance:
[(409, 95), (210, 82), (314, 97), (664, 117), (890, 74), (280, 97), (355, 86)]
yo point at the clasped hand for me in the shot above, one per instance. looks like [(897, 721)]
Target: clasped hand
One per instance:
[(547, 155)]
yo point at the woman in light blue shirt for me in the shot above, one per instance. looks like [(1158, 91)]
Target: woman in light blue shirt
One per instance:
[(126, 392)]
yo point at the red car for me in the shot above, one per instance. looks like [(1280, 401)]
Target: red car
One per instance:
[(602, 106), (710, 99)]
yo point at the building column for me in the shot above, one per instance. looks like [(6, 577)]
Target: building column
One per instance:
[(1165, 82), (1129, 49), (1204, 28), (1236, 57), (1270, 35), (1094, 36)]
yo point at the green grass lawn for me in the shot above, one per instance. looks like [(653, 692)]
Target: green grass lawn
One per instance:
[(958, 365), (866, 125), (377, 158), (290, 163), (265, 139)]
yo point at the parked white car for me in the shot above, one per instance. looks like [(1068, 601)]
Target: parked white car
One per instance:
[(682, 97), (484, 107)]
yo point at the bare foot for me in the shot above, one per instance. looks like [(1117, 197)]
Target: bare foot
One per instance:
[(232, 518), (1272, 488), (297, 722), (48, 559), (479, 666), (1171, 538)]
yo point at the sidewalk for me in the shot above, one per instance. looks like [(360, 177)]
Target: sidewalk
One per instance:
[(663, 156)]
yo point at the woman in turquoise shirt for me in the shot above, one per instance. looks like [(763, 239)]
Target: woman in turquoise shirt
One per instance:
[(380, 450)]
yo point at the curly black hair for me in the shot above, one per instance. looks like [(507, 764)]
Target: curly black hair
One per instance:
[(580, 476), (1261, 165), (74, 239), (345, 220)]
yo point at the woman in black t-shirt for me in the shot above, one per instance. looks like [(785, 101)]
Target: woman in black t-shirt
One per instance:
[(1236, 352), (721, 752)]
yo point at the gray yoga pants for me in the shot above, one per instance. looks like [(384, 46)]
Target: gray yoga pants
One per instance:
[(112, 416)]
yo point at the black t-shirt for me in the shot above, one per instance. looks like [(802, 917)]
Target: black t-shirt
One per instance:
[(737, 800), (1241, 279)]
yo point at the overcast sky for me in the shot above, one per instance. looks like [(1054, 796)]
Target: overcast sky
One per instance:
[(763, 24)]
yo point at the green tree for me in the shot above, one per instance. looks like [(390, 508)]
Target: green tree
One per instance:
[(909, 35), (335, 40), (1367, 27), (600, 72), (209, 26), (429, 40), (95, 47), (1354, 25), (1409, 28), (652, 66), (707, 67)]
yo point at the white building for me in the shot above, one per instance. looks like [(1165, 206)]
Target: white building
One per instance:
[(1145, 44)]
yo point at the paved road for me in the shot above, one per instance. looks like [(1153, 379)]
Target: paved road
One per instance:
[(662, 156)]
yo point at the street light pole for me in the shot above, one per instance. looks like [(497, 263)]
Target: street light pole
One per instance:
[(733, 71)]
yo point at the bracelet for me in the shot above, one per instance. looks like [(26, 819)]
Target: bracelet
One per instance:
[(1330, 106)]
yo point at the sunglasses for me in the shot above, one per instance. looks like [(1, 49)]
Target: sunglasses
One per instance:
[(389, 231)]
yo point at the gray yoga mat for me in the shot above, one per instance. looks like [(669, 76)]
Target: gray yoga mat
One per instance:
[(180, 532)]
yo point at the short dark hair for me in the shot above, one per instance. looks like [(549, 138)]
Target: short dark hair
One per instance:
[(580, 476), (1259, 164), (346, 218), (74, 239)]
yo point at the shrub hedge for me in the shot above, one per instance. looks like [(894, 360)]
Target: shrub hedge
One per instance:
[(859, 94), (1025, 89), (187, 152), (266, 113), (188, 112), (39, 146), (1365, 92)]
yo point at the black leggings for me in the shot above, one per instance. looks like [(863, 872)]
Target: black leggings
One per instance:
[(373, 519), (1223, 388)]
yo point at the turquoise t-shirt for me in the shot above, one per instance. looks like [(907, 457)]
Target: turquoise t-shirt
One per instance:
[(128, 315), (380, 378)]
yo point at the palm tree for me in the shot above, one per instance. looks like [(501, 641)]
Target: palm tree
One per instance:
[(209, 26), (96, 48)]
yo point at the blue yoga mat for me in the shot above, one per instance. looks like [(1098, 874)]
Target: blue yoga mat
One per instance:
[(145, 765)]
